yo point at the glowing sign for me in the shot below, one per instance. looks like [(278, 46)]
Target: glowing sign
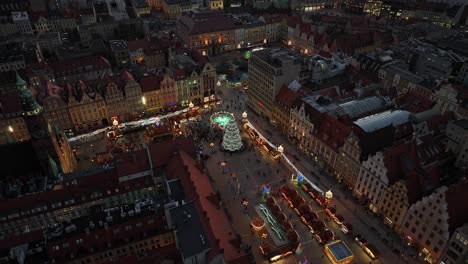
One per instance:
[(248, 54)]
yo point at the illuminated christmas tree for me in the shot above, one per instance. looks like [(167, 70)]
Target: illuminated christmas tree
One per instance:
[(232, 140)]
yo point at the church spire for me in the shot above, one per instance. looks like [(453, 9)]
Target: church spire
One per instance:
[(19, 80), (29, 103)]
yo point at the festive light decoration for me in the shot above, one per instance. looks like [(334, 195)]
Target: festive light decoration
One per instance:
[(286, 159), (221, 119), (232, 140), (257, 223)]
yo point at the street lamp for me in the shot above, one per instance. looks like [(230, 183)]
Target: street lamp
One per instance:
[(280, 149), (191, 105), (143, 100), (218, 83), (223, 164), (212, 147), (10, 129), (328, 196), (204, 53), (244, 115), (265, 41), (115, 122)]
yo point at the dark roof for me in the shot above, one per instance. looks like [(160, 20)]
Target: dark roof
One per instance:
[(191, 236), (10, 154), (150, 83), (456, 197), (206, 22), (10, 105), (370, 143), (177, 191), (137, 44), (463, 123), (25, 238), (175, 2), (140, 4), (70, 66)]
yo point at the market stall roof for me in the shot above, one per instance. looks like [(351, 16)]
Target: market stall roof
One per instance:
[(339, 250)]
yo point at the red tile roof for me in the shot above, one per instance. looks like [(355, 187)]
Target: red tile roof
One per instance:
[(198, 56), (52, 89), (414, 102), (100, 237), (150, 83), (130, 163), (163, 151), (393, 158), (137, 44), (293, 21), (197, 186), (421, 182), (332, 132), (286, 96), (69, 66), (198, 23), (179, 74)]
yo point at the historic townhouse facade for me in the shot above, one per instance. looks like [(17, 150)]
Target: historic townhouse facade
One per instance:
[(395, 203), (56, 112), (124, 99), (150, 87), (168, 92), (87, 111), (301, 126), (431, 221)]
